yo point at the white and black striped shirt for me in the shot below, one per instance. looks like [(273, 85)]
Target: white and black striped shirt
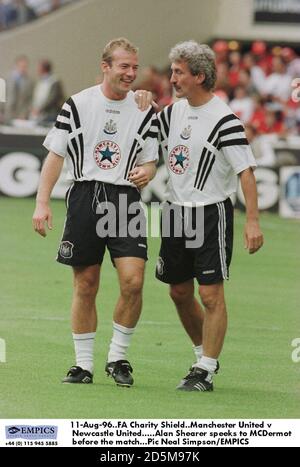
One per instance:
[(103, 139), (204, 149)]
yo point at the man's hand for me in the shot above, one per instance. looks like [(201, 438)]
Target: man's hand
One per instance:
[(50, 173), (42, 215), (253, 236), (140, 176), (144, 99)]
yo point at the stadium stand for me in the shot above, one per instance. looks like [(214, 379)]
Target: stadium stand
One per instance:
[(15, 13)]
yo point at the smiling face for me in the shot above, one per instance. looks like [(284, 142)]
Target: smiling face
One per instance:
[(119, 74), (185, 84)]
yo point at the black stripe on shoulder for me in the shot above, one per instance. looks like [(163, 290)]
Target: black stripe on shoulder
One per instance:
[(74, 112), (63, 126), (164, 122), (155, 123), (169, 112), (146, 120), (233, 129), (223, 120), (233, 142), (150, 134), (65, 113)]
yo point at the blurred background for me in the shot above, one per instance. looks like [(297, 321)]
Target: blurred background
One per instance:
[(51, 49)]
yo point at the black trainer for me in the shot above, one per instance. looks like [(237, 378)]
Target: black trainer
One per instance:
[(77, 375), (197, 380), (121, 372), (191, 371)]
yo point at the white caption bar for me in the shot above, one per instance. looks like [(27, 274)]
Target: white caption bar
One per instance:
[(150, 433)]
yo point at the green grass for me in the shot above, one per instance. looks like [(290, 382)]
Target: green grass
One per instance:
[(257, 380)]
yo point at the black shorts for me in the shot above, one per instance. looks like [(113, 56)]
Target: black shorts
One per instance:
[(97, 217), (208, 263)]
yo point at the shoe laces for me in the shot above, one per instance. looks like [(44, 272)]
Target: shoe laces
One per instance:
[(74, 370), (191, 374), (123, 366), (195, 372)]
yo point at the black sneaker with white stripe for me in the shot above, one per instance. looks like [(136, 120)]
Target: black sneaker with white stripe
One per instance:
[(77, 375), (197, 380), (191, 372), (120, 371)]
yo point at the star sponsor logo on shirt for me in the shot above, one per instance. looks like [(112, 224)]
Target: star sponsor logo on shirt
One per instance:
[(179, 159), (107, 154), (186, 133)]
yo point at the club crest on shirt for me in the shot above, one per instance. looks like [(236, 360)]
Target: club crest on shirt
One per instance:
[(186, 132), (66, 249), (107, 154), (110, 127), (160, 266), (179, 159)]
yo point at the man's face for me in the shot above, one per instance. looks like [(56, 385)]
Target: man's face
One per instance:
[(22, 66), (120, 75), (184, 82)]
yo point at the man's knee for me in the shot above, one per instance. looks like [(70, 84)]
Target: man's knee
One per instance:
[(212, 297), (86, 284), (181, 293), (132, 285)]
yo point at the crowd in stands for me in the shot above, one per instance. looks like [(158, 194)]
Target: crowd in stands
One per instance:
[(17, 12), (256, 83), (39, 101), (258, 86)]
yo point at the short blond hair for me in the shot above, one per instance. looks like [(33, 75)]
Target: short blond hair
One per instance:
[(120, 42)]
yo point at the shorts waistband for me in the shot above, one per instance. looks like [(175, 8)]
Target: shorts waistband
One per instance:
[(225, 201), (99, 182)]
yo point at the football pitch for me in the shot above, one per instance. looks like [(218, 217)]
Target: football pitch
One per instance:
[(258, 378)]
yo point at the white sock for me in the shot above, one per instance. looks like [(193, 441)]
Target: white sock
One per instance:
[(198, 351), (208, 364), (119, 343), (84, 349)]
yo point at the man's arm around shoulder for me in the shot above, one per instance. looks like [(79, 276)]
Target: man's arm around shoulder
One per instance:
[(141, 175)]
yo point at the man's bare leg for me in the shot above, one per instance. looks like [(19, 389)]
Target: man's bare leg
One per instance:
[(84, 322), (126, 315)]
